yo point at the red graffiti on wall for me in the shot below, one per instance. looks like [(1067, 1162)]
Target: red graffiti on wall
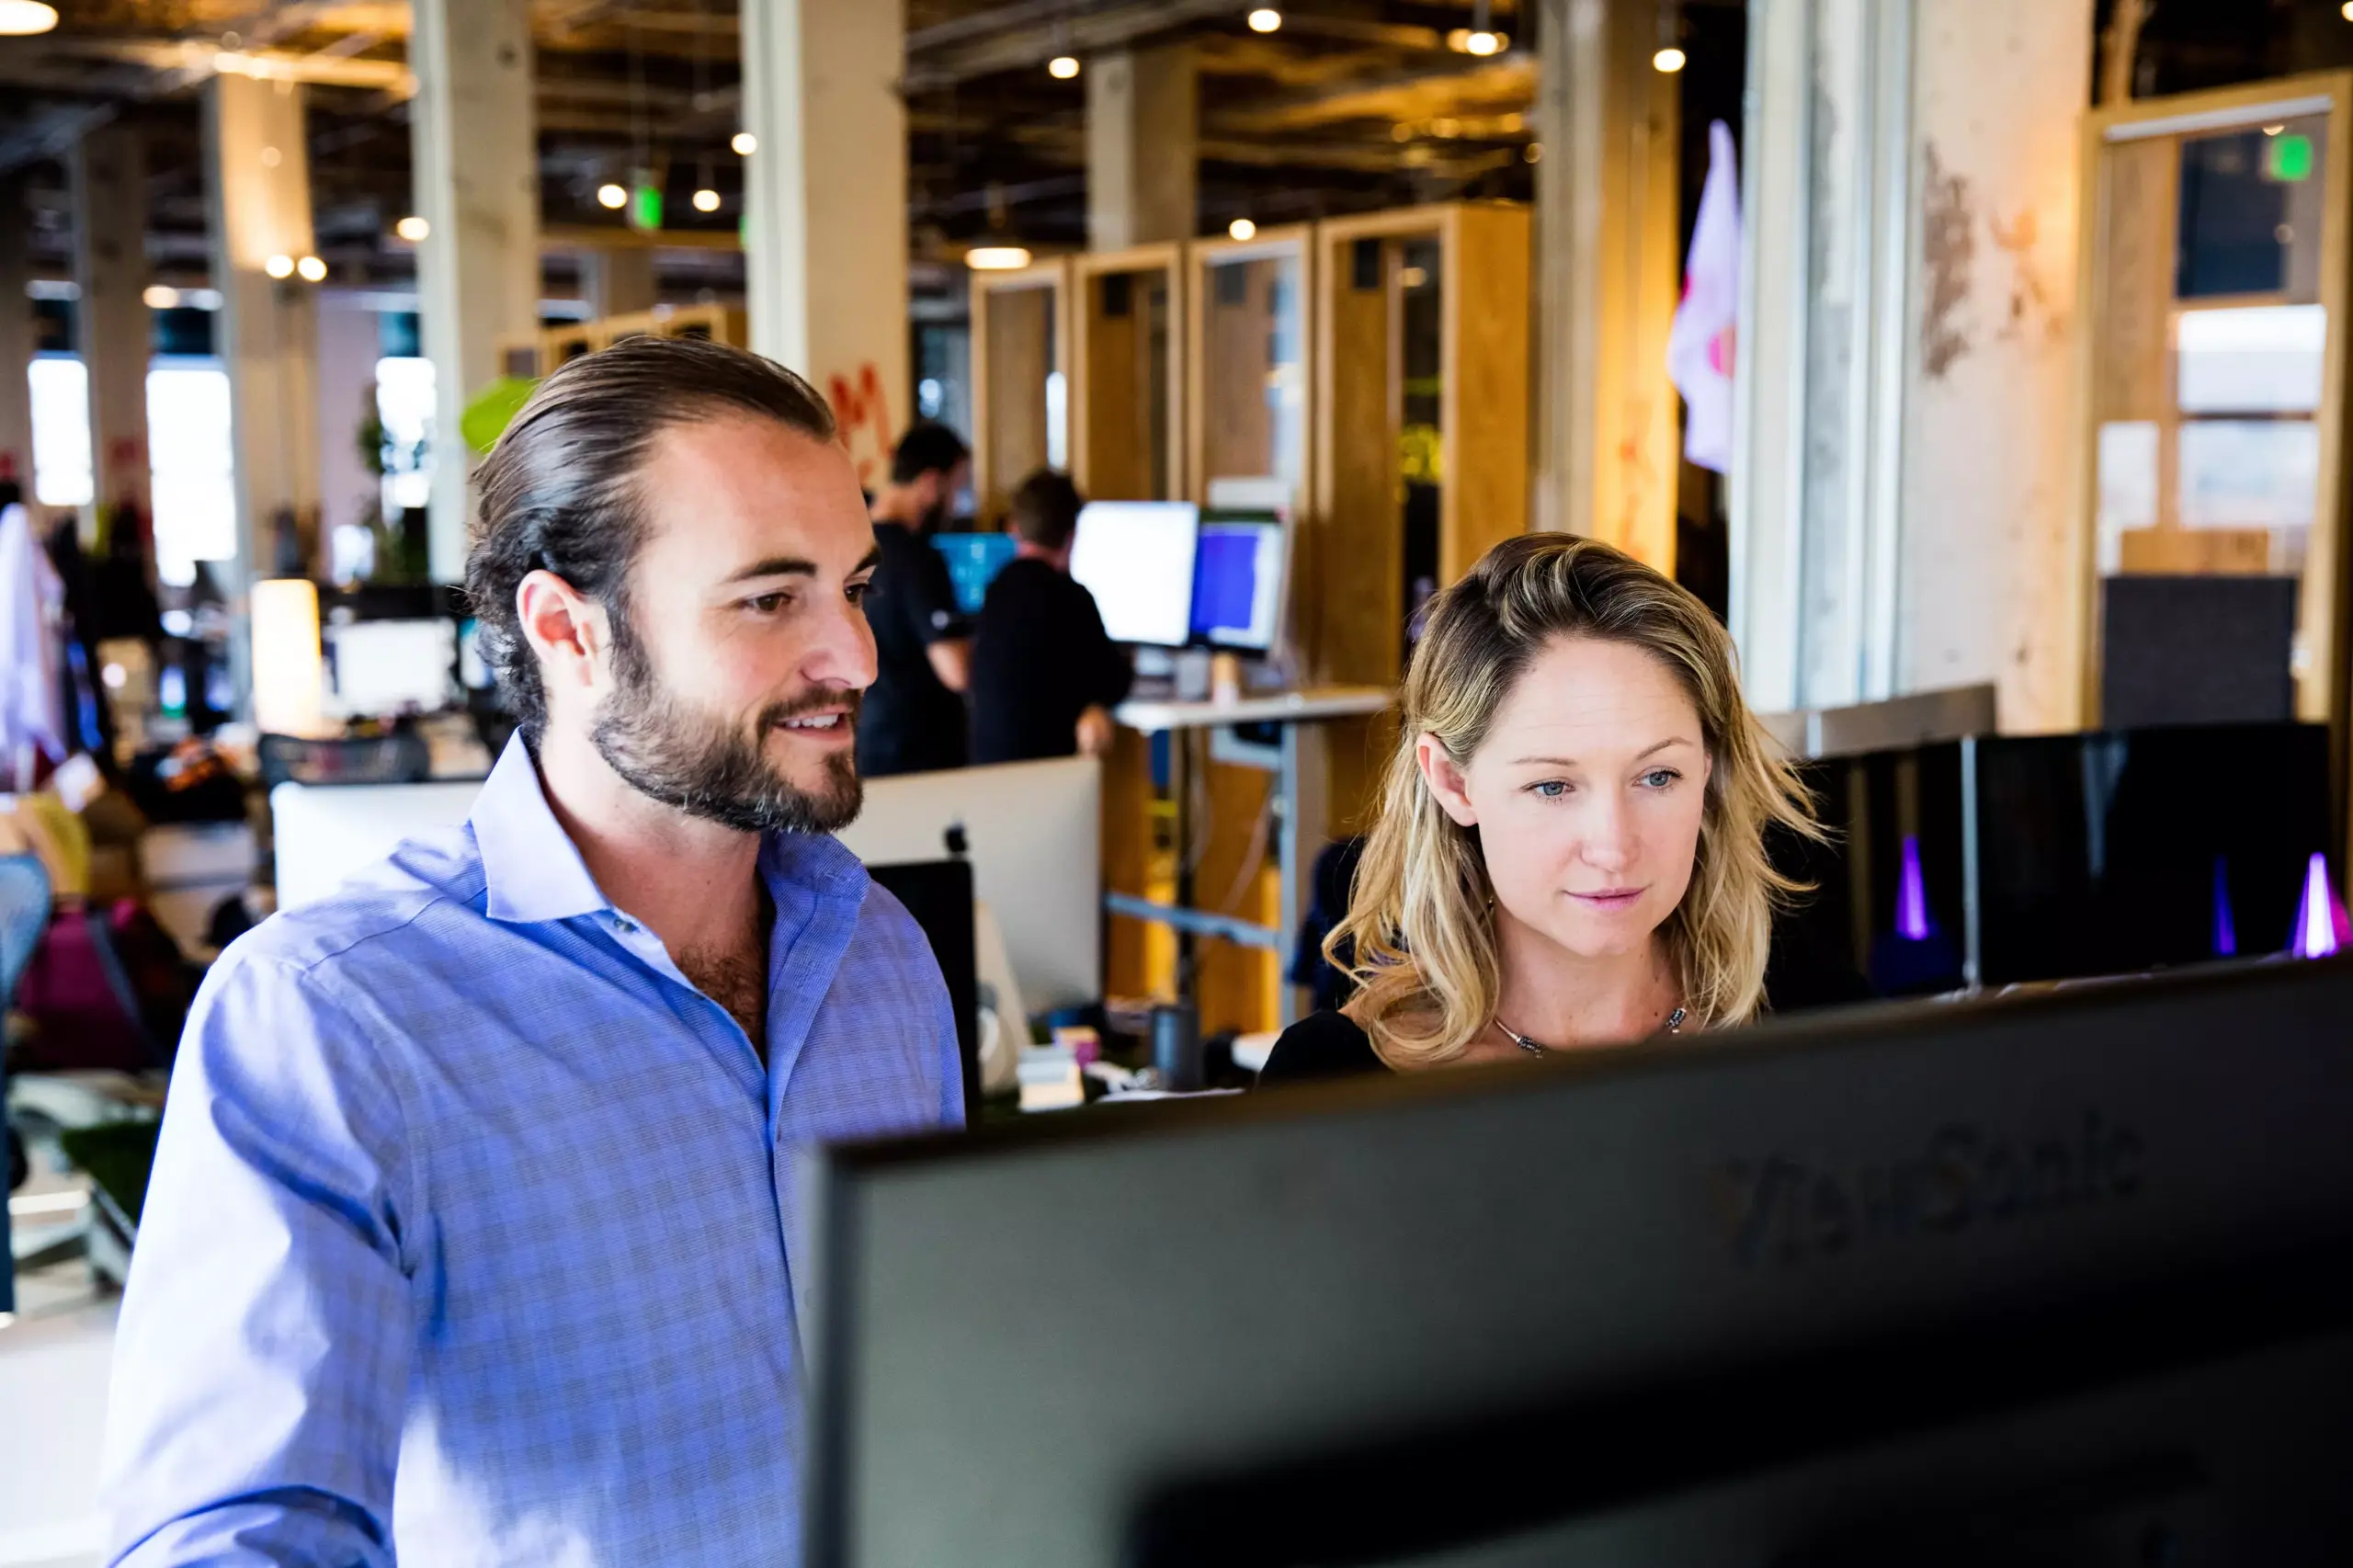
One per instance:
[(860, 405)]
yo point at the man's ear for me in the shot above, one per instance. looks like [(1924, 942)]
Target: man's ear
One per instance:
[(566, 629), (1443, 774)]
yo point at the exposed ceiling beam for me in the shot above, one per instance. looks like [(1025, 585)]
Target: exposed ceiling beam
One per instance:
[(202, 59), (1015, 36), (1415, 96)]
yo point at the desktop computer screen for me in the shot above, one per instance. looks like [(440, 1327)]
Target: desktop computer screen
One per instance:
[(1136, 558), (2056, 1279), (1238, 582), (973, 561)]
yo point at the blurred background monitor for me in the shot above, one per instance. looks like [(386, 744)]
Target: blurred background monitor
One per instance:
[(1136, 558), (1239, 580), (1889, 889), (2060, 1279), (2012, 859), (380, 668), (2120, 851), (973, 561)]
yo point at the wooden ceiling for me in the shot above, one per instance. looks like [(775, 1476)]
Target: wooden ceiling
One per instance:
[(1352, 104)]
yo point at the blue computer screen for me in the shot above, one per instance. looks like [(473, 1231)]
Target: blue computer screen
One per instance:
[(973, 561), (1238, 584)]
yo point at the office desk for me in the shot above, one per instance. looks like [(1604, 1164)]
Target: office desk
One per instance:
[(1299, 787)]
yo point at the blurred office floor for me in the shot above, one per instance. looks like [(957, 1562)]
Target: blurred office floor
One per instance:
[(53, 1365)]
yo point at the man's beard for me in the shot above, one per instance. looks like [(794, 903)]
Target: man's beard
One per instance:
[(664, 748)]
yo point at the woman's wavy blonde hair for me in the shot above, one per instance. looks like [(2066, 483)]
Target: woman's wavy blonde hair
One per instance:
[(1419, 937)]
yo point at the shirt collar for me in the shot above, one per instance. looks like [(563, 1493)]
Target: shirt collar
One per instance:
[(533, 870)]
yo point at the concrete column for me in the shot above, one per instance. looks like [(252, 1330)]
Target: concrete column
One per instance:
[(1992, 581), (268, 330), (826, 208), (113, 327), (16, 337), (350, 342), (1608, 277), (1142, 126), (474, 141), (619, 280), (1901, 504)]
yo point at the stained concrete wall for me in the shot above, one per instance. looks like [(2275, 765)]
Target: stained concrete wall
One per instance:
[(1992, 568)]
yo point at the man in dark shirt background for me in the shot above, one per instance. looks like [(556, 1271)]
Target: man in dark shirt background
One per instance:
[(914, 720), (1045, 677)]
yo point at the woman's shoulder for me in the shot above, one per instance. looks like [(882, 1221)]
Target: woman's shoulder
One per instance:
[(1322, 1045)]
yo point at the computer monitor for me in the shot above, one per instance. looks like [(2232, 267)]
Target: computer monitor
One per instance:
[(380, 668), (938, 895), (1238, 580), (2059, 1278), (973, 561), (2123, 850), (1136, 558)]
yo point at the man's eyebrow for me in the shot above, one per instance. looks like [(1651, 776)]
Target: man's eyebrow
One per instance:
[(774, 566)]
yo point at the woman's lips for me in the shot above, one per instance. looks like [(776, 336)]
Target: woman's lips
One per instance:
[(1609, 899)]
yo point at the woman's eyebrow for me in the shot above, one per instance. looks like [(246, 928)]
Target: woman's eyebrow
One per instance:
[(1647, 752)]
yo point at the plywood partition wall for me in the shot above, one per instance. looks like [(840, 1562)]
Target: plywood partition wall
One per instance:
[(1021, 354), (2184, 357), (1397, 415), (1128, 394)]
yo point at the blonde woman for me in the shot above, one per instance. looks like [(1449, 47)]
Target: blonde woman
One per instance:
[(1571, 847)]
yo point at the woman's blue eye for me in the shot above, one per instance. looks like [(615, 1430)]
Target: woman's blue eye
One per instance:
[(1550, 789), (1660, 777)]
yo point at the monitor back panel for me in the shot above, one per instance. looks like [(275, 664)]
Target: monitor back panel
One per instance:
[(1019, 1343)]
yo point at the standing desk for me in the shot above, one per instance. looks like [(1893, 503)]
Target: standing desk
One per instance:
[(1299, 789)]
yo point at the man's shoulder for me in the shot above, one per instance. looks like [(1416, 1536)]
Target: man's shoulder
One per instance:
[(384, 901)]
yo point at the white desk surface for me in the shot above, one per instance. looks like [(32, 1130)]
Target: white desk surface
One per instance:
[(1281, 707)]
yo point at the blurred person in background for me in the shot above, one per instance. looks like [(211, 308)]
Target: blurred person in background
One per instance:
[(1571, 849), (1045, 675), (914, 720)]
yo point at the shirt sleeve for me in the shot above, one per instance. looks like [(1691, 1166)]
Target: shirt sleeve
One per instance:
[(261, 1359)]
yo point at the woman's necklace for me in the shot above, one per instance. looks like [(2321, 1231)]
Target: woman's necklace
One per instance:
[(1537, 1048)]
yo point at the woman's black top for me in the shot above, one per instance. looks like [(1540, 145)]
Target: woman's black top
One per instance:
[(1798, 975)]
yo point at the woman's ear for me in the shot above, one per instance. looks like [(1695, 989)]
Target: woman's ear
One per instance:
[(1444, 777)]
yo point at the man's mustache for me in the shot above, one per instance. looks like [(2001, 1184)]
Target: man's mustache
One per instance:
[(849, 702)]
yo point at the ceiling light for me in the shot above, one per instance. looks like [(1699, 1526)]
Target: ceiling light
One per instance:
[(612, 196), (2273, 129), (706, 200), (413, 229), (161, 296), (1265, 19), (313, 269), (997, 258), (2347, 11), (744, 143), (22, 18), (1533, 151), (1484, 43), (1062, 67), (1668, 60), (280, 267), (1446, 127), (1242, 229)]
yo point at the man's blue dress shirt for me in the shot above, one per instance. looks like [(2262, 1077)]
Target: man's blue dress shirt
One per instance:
[(472, 1237)]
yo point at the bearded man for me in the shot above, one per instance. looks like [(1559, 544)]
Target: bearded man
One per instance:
[(472, 1236)]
